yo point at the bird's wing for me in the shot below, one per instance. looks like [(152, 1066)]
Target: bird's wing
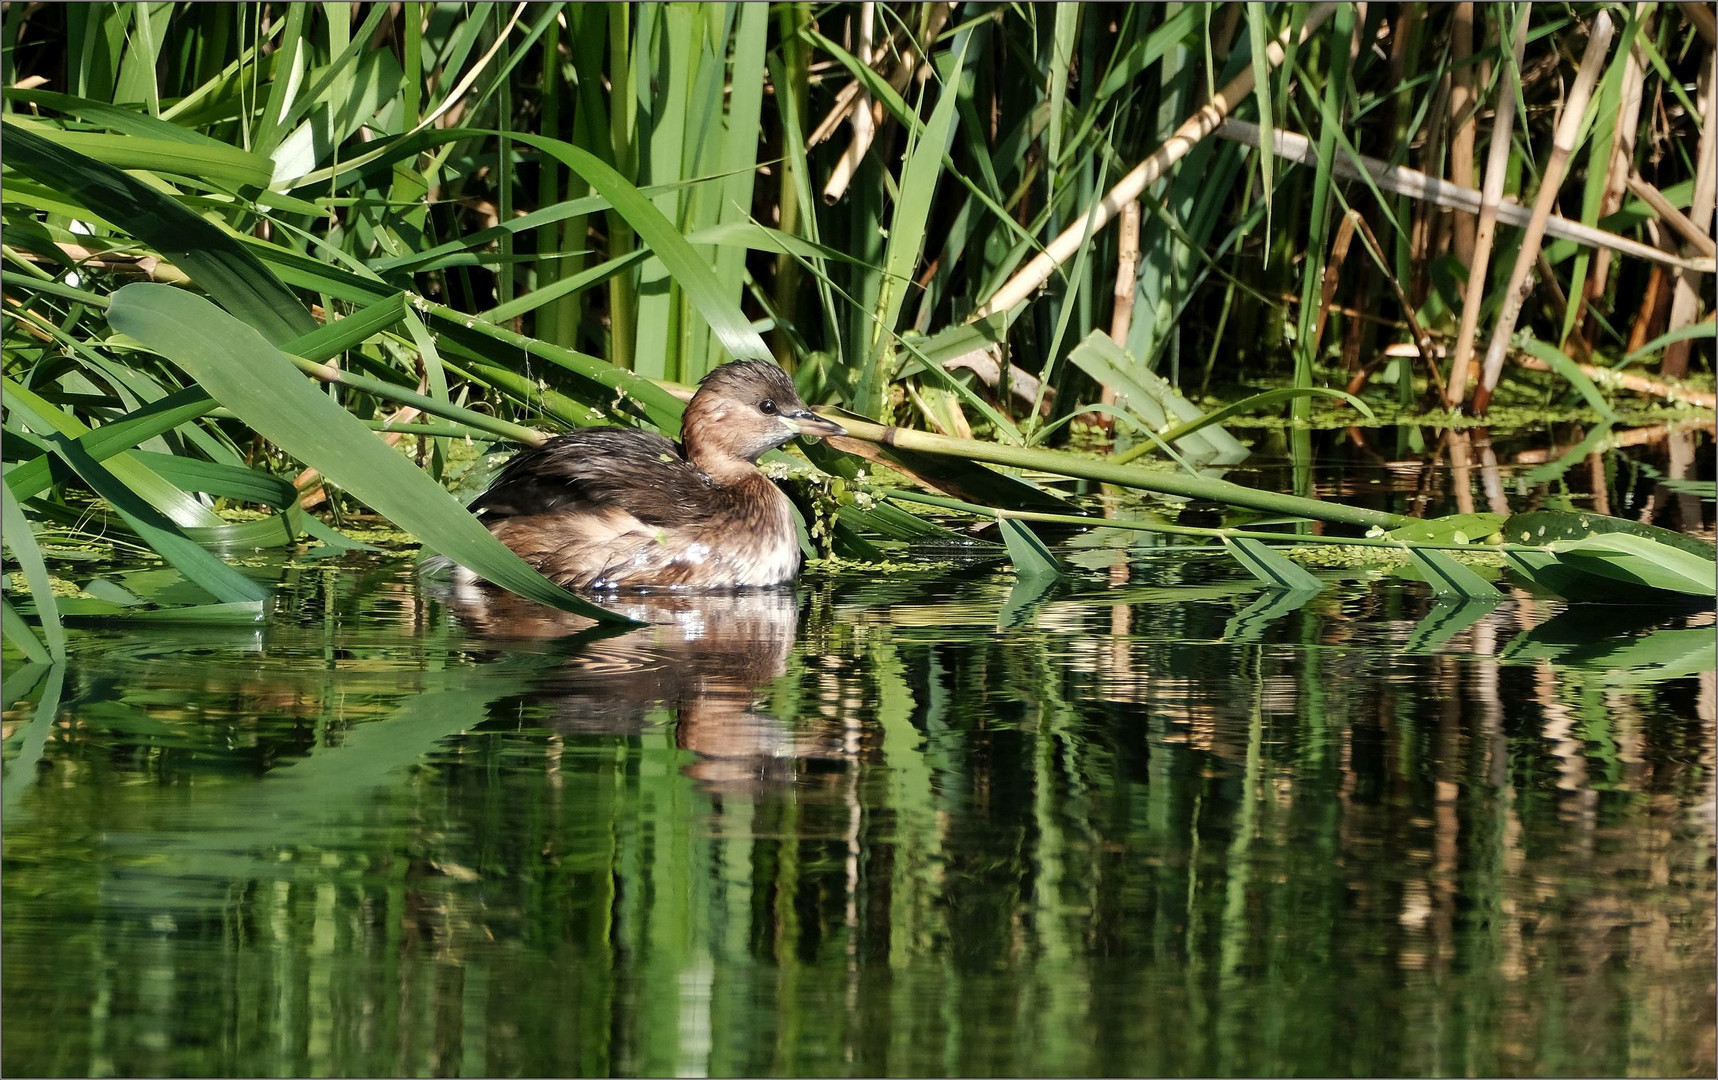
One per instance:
[(599, 469)]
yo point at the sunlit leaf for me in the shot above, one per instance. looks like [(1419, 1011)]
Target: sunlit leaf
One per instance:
[(1541, 527), (1637, 560), (22, 543), (1031, 557), (1450, 529)]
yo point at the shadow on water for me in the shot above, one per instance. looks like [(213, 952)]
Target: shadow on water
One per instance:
[(1150, 820)]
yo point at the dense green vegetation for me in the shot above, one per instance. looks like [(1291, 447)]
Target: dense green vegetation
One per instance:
[(999, 224)]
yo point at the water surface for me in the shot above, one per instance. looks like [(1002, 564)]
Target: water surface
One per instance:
[(1153, 821)]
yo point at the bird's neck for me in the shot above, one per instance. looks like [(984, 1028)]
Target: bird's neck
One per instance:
[(722, 467)]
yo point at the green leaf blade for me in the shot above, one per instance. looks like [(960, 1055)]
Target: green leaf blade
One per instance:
[(1032, 558), (1449, 579), (1275, 570), (258, 382)]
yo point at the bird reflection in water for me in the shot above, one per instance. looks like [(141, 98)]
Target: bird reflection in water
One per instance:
[(706, 657)]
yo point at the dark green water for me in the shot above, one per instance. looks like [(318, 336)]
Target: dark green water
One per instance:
[(1152, 825)]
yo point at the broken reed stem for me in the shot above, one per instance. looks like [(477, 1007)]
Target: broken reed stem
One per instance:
[(1462, 112), (1622, 380), (1417, 185), (1490, 205), (1126, 287), (1193, 131), (855, 100), (1332, 268), (864, 120), (1675, 218), (1623, 134), (1700, 14), (1127, 269), (1562, 145), (1685, 305)]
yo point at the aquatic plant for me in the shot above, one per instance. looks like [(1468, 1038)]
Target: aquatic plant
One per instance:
[(460, 219)]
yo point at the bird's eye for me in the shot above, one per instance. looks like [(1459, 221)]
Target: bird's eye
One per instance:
[(767, 407)]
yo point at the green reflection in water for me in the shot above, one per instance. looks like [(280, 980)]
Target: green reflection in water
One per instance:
[(858, 829)]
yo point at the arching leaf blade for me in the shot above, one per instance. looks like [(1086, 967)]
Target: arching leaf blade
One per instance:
[(259, 383), (22, 543), (217, 262), (1637, 560), (689, 270)]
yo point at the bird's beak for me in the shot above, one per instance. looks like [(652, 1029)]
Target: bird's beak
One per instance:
[(806, 422)]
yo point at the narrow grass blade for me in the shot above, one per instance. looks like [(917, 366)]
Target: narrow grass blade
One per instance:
[(211, 161), (1271, 567), (907, 235), (22, 542), (261, 385), (49, 421), (1571, 372), (164, 537), (694, 276), (1063, 463), (21, 634), (1260, 402), (1259, 37), (34, 476)]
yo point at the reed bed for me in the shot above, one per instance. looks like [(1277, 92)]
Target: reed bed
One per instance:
[(504, 218)]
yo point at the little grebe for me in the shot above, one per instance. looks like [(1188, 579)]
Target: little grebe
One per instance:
[(613, 507)]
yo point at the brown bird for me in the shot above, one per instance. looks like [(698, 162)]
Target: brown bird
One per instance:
[(608, 508)]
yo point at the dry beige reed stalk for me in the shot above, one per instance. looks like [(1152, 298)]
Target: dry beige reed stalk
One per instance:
[(1031, 277), (1562, 145)]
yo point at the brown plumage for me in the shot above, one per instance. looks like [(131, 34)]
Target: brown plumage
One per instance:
[(611, 507)]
